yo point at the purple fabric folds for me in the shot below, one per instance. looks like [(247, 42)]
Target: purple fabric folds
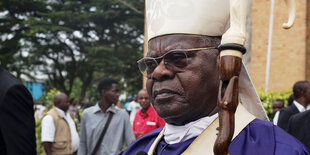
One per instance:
[(259, 137)]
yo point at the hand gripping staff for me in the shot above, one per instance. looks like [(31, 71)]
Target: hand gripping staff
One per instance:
[(232, 48)]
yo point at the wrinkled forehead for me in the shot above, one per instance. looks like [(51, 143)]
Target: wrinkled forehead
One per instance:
[(162, 44)]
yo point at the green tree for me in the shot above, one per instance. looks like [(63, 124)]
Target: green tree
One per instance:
[(13, 13), (267, 99), (83, 39)]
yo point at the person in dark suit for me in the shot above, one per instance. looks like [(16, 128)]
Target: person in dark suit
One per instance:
[(299, 126), (301, 92), (17, 124)]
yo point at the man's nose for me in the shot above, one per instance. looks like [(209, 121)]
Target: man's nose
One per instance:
[(161, 72)]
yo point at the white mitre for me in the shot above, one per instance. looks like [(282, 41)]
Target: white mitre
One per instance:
[(201, 17), (187, 16)]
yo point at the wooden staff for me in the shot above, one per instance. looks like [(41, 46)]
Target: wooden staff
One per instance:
[(231, 49), (230, 68)]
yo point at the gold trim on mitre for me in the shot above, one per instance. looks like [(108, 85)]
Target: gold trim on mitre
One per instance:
[(203, 144)]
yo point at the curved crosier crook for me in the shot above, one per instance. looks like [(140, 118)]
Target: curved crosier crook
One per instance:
[(291, 7)]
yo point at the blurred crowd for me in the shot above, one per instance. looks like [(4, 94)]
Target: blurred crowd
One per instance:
[(109, 126), (138, 117), (83, 128)]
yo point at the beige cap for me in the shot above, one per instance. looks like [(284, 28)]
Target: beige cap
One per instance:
[(204, 17)]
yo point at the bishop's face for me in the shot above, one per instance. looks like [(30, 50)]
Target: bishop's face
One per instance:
[(184, 93)]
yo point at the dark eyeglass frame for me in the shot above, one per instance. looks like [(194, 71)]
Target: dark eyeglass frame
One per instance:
[(143, 67)]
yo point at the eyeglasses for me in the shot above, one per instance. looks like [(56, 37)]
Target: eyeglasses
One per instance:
[(174, 60)]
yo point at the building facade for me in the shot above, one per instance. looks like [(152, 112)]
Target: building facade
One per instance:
[(290, 52)]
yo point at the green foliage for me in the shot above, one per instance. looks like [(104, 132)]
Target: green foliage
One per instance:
[(76, 89), (40, 148), (73, 39), (267, 99), (47, 98), (93, 94), (13, 13)]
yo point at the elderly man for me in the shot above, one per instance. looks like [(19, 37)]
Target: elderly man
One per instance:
[(182, 70), (59, 133)]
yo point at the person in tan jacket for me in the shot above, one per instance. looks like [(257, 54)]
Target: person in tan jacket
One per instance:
[(59, 134)]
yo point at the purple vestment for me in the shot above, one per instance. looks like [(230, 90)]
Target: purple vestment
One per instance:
[(257, 138)]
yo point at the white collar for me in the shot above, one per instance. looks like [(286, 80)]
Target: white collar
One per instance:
[(175, 134), (299, 106)]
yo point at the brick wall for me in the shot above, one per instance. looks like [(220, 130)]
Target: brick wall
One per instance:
[(308, 41), (288, 58)]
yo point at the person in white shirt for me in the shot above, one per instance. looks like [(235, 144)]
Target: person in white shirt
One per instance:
[(133, 107), (59, 134)]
